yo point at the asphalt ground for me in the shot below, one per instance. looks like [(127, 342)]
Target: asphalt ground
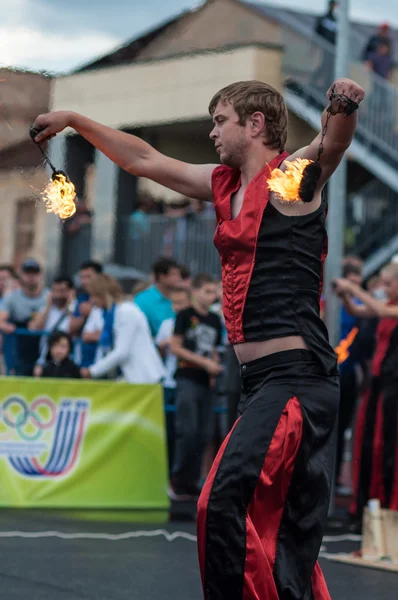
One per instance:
[(45, 556)]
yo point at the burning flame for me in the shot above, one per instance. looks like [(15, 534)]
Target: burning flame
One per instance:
[(287, 183), (59, 196), (342, 349)]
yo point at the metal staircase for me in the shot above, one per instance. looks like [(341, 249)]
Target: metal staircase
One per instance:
[(308, 72)]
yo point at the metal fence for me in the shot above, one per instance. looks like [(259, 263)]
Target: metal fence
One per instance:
[(308, 66), (189, 240), (372, 217)]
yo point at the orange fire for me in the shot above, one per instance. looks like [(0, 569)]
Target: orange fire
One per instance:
[(59, 196), (343, 349), (287, 183)]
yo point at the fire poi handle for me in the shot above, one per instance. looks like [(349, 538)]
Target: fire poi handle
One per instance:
[(59, 194), (33, 132)]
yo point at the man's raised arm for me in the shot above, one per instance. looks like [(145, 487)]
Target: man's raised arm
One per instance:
[(340, 129), (131, 154)]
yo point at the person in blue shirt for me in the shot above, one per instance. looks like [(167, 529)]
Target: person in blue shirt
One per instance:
[(85, 351), (155, 301)]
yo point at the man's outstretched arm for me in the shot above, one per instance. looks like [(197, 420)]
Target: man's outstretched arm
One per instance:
[(132, 154), (340, 130)]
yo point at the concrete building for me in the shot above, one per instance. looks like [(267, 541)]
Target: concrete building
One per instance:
[(158, 87), (22, 175)]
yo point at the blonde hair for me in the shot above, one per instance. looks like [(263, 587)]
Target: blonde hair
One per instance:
[(106, 287), (391, 269), (248, 97)]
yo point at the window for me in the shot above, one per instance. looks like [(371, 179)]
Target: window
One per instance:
[(25, 224)]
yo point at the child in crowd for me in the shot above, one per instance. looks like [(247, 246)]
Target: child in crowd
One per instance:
[(197, 333), (58, 363), (180, 300)]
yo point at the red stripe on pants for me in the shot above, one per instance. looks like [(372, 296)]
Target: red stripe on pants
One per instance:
[(265, 510)]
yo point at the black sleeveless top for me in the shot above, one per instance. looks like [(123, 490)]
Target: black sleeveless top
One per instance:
[(272, 266)]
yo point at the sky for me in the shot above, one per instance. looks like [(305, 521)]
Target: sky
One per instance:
[(59, 35)]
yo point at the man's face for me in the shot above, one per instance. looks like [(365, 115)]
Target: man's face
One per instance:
[(206, 295), (172, 280), (30, 280), (86, 277), (354, 278), (231, 140), (383, 50), (179, 301), (60, 294)]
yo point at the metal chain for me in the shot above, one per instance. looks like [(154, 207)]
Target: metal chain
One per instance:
[(324, 130), (33, 132), (46, 158), (350, 108)]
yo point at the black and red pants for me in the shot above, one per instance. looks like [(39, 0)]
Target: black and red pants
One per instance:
[(264, 506), (375, 456)]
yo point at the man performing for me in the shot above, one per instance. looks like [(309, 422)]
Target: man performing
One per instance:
[(263, 509)]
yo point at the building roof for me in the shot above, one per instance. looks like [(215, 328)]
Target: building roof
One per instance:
[(163, 40), (129, 51)]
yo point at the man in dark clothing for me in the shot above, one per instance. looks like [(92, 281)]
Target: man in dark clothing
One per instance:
[(381, 37), (380, 100), (326, 28), (326, 25), (380, 61), (263, 509)]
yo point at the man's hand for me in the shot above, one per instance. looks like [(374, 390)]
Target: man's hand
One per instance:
[(345, 87), (7, 328), (344, 286), (85, 373), (213, 367), (37, 371), (85, 309), (49, 124), (163, 344), (49, 300)]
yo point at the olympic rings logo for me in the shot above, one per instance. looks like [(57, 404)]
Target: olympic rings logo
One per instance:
[(20, 417)]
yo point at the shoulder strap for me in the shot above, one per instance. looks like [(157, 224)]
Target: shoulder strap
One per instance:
[(61, 318)]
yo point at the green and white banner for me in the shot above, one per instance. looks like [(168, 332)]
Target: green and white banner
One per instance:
[(82, 444)]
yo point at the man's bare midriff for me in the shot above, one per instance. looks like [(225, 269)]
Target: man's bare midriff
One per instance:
[(252, 350)]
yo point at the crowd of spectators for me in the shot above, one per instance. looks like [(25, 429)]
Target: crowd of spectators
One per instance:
[(368, 417), (169, 331)]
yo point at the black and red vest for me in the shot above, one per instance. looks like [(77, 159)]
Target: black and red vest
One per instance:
[(272, 265)]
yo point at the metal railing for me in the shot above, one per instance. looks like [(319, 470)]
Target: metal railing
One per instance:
[(372, 217), (189, 240), (308, 66), (12, 362)]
